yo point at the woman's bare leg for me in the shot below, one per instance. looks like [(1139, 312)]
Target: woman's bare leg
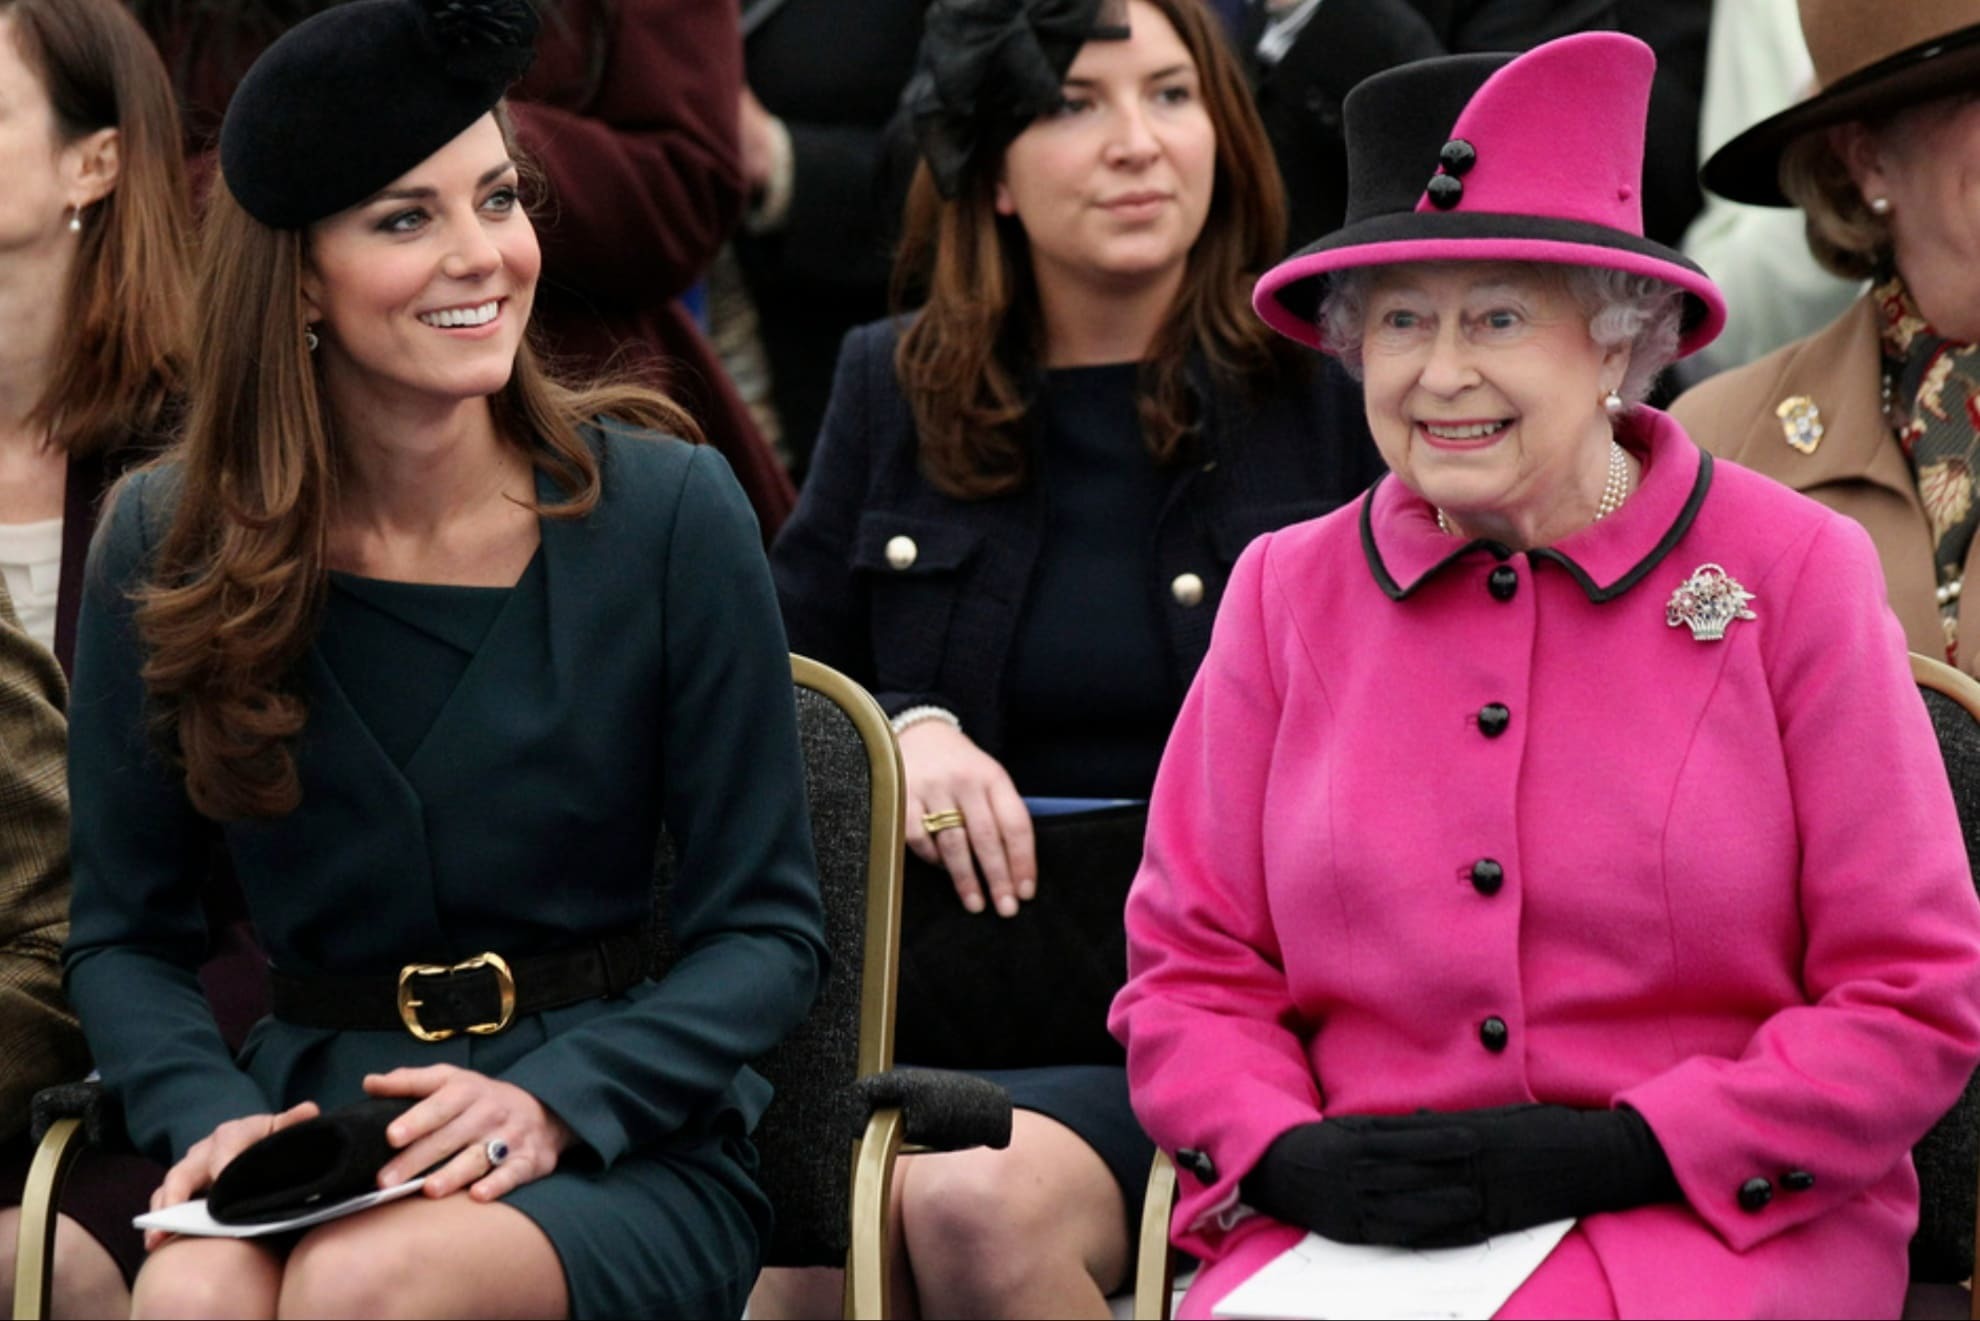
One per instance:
[(208, 1277), (446, 1256), (817, 1293), (1035, 1230), (88, 1282)]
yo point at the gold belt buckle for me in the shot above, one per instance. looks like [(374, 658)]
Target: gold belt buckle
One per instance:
[(505, 982)]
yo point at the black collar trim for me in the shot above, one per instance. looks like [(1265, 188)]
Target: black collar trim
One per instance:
[(1597, 594)]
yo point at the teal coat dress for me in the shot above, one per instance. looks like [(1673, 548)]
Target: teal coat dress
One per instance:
[(637, 675)]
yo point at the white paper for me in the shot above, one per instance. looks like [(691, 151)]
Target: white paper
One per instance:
[(190, 1218), (1320, 1278)]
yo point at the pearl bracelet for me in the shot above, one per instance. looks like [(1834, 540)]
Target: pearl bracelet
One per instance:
[(915, 715)]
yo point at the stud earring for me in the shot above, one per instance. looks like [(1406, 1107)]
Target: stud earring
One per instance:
[(310, 341), (1880, 206), (1612, 402), (75, 220)]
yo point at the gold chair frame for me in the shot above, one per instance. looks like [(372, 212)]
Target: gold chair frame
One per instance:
[(868, 1270)]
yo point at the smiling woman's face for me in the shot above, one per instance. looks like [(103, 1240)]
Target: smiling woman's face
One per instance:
[(421, 295), (1484, 393)]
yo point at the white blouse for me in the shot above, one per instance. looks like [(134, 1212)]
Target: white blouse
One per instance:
[(31, 566)]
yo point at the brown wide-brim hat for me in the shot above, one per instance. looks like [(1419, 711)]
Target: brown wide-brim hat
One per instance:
[(1870, 58)]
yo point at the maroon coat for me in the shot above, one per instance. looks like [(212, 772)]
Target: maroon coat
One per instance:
[(630, 111)]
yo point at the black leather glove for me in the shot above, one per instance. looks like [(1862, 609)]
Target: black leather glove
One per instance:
[(1434, 1180)]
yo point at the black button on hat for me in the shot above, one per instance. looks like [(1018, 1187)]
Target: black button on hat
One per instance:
[(1797, 1181), (1198, 1163), (1493, 718), (1502, 582), (1494, 1034), (1445, 190), (1457, 156), (1755, 1193), (1487, 876), (351, 98)]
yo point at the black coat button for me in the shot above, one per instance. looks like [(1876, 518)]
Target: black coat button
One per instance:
[(1494, 1033), (1755, 1193), (1198, 1163), (1487, 876), (1502, 582), (1445, 191), (1493, 718), (1797, 1181), (1457, 156)]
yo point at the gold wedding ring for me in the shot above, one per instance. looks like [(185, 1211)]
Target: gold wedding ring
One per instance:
[(936, 822)]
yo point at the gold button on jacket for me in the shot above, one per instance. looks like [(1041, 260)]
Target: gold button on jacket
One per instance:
[(1187, 589), (901, 552)]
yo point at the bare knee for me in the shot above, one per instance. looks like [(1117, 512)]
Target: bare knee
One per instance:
[(1036, 1229), (977, 1213), (85, 1280), (341, 1271), (789, 1293), (196, 1279), (88, 1282)]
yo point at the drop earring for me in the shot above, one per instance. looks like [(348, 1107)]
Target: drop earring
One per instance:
[(1612, 402), (310, 341), (75, 220), (1880, 206)]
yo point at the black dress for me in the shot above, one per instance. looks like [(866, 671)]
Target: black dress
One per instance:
[(1089, 686)]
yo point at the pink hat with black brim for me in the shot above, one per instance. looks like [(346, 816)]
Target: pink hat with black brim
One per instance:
[(1520, 158)]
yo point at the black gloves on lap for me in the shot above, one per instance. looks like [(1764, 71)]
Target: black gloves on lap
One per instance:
[(1437, 1180)]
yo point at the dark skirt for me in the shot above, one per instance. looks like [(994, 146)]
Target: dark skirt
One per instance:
[(678, 1233)]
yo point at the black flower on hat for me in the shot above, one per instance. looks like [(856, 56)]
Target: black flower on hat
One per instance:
[(987, 68), (483, 22), (353, 97)]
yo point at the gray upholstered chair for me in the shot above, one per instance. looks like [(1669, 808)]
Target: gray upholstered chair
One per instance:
[(1943, 1250), (842, 1113), (834, 1076), (1948, 1159)]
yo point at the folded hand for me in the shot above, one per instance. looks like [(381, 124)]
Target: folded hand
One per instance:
[(460, 1112)]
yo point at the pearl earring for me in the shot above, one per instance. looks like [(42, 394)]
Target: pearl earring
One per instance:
[(1612, 402), (310, 341), (75, 220), (1880, 206)]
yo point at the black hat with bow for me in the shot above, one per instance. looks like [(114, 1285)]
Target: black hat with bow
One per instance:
[(987, 68), (351, 98)]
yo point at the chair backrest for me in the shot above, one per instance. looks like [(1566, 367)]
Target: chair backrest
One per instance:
[(853, 780), (1948, 1157)]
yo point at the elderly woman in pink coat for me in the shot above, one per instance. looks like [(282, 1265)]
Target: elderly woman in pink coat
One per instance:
[(1556, 832)]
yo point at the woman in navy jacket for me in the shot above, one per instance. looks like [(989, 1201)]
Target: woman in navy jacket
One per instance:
[(1021, 514), (436, 646)]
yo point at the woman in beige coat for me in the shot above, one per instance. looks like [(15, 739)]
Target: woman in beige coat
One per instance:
[(1878, 415)]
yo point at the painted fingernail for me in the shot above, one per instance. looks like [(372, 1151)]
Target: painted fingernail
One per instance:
[(1007, 906)]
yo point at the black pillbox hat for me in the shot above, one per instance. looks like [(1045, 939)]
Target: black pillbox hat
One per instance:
[(353, 97)]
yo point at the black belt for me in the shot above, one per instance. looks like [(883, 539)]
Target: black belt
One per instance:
[(481, 995)]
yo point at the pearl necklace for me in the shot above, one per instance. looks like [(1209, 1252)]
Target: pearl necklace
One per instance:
[(1614, 491)]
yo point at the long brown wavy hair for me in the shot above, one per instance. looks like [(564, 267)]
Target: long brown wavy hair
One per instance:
[(966, 360), (235, 593), (118, 367)]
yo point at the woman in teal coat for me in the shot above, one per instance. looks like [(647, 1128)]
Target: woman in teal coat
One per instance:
[(438, 656)]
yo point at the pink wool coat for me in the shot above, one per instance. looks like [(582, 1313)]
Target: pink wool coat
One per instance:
[(1732, 892)]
